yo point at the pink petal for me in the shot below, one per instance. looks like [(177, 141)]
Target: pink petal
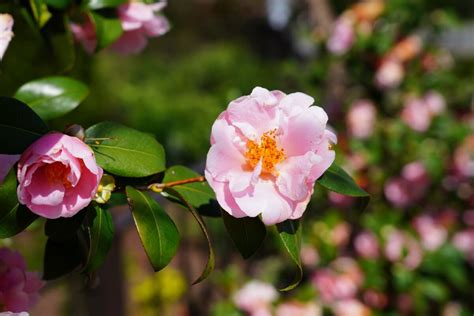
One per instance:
[(295, 103), (156, 27), (224, 196), (131, 42)]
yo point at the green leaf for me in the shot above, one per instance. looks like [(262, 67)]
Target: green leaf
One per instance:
[(19, 126), (108, 29), (211, 258), (337, 180), (157, 231), (99, 4), (101, 234), (62, 257), (290, 234), (14, 218), (40, 12), (59, 4), (198, 194), (247, 233), (124, 151), (52, 97), (64, 228)]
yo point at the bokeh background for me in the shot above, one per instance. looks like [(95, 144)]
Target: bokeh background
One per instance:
[(396, 78)]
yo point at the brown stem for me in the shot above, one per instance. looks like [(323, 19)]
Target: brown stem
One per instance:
[(158, 187)]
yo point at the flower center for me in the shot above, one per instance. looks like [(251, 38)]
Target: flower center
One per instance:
[(266, 151), (57, 173)]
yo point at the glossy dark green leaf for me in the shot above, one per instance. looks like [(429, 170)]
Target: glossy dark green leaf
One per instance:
[(337, 180), (59, 4), (62, 257), (124, 151), (14, 218), (108, 29), (19, 126), (211, 257), (290, 235), (198, 194), (247, 233), (52, 97), (99, 4), (101, 233), (157, 231), (64, 228)]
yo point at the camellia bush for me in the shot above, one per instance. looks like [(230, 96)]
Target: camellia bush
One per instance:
[(268, 149)]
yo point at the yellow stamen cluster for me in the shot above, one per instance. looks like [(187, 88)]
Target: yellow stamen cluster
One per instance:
[(57, 172), (267, 151)]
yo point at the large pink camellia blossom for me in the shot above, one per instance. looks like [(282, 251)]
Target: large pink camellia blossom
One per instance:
[(58, 176), (18, 287), (6, 34), (267, 151)]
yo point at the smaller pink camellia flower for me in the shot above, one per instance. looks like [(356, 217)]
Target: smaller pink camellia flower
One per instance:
[(18, 287), (367, 245), (351, 307), (268, 149), (401, 247), (6, 163), (6, 34), (139, 21), (389, 74), (361, 119), (58, 176), (417, 114), (294, 308), (433, 235), (342, 36), (256, 298)]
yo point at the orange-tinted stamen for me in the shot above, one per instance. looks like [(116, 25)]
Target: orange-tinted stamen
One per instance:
[(266, 151)]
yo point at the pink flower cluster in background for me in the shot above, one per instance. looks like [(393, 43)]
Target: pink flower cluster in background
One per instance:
[(18, 287), (139, 22), (419, 112)]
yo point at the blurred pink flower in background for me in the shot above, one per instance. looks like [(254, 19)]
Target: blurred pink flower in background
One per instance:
[(309, 256), (417, 114), (256, 298), (464, 242), (410, 187), (268, 149), (340, 200), (342, 36), (375, 298), (6, 163), (401, 247), (389, 74), (295, 308), (452, 309), (18, 287), (14, 314), (361, 119), (464, 157), (340, 234), (468, 217), (139, 22), (85, 34), (6, 33), (432, 234), (351, 307), (58, 176), (367, 245), (435, 102)]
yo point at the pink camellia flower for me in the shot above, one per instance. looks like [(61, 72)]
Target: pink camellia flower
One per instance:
[(297, 308), (464, 157), (267, 151), (351, 307), (256, 298), (435, 102), (6, 34), (342, 36), (6, 163), (433, 235), (410, 187), (58, 176), (367, 245), (18, 287), (139, 21), (361, 119), (417, 114), (401, 247), (389, 74), (397, 192)]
